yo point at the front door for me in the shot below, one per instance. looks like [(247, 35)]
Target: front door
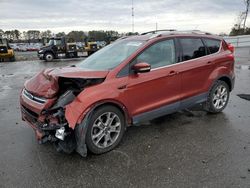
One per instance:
[(155, 93)]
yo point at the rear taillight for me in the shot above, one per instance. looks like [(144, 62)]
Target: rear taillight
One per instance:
[(230, 47)]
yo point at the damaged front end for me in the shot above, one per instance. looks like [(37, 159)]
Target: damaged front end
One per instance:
[(44, 100)]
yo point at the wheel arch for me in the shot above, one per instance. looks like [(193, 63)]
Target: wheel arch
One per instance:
[(227, 80), (116, 104), (82, 123), (49, 51)]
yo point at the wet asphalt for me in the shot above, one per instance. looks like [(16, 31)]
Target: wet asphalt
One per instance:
[(179, 150)]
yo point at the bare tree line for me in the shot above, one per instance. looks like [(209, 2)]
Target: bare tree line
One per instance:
[(15, 35), (77, 36)]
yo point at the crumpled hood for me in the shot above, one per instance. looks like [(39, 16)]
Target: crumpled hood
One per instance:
[(45, 83)]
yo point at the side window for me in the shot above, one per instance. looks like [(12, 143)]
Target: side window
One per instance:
[(159, 54), (58, 42), (212, 45), (192, 48)]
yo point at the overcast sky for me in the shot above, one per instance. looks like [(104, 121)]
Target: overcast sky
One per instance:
[(65, 15)]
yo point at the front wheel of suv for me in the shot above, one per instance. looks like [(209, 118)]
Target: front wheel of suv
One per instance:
[(218, 97), (105, 130)]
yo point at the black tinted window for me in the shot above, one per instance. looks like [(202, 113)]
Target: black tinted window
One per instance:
[(159, 54), (212, 45), (192, 48)]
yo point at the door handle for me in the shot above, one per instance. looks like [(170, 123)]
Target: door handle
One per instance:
[(122, 87), (172, 73)]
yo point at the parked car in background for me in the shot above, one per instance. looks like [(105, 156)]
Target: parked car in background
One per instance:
[(134, 79), (23, 47)]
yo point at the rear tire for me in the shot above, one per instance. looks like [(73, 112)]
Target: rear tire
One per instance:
[(105, 130), (218, 97), (48, 56)]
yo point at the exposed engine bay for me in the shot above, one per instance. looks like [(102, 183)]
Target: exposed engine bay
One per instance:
[(55, 119)]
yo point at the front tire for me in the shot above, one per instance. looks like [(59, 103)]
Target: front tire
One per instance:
[(48, 57), (105, 130), (218, 97)]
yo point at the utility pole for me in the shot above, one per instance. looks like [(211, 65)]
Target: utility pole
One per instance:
[(133, 23), (247, 2)]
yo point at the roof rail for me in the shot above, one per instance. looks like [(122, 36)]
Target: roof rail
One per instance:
[(173, 31), (195, 32), (156, 31)]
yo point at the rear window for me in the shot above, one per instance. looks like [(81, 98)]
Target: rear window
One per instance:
[(192, 48), (212, 45)]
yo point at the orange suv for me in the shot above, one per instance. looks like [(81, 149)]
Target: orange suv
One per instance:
[(135, 79)]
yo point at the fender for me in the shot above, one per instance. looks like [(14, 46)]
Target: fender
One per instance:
[(219, 73), (223, 77), (78, 109), (81, 127)]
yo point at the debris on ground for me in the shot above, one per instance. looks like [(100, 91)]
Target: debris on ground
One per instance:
[(244, 96)]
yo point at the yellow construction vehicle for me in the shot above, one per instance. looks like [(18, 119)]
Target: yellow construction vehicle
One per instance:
[(90, 46), (6, 52)]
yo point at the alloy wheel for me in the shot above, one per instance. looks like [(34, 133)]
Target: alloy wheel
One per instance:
[(106, 130), (220, 97)]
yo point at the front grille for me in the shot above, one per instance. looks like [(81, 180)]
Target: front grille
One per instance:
[(34, 98), (3, 49), (30, 115)]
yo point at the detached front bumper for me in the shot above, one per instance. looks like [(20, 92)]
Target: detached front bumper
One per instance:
[(47, 125), (31, 111)]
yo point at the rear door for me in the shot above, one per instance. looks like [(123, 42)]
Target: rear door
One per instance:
[(156, 92), (196, 67)]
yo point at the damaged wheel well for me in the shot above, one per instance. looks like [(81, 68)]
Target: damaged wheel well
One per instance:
[(119, 107)]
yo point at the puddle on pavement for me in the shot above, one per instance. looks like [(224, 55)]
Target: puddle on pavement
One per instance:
[(7, 75), (244, 96)]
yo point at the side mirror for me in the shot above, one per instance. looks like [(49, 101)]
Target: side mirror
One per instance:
[(141, 67)]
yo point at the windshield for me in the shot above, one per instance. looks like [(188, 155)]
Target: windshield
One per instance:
[(56, 42), (51, 42), (111, 56)]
